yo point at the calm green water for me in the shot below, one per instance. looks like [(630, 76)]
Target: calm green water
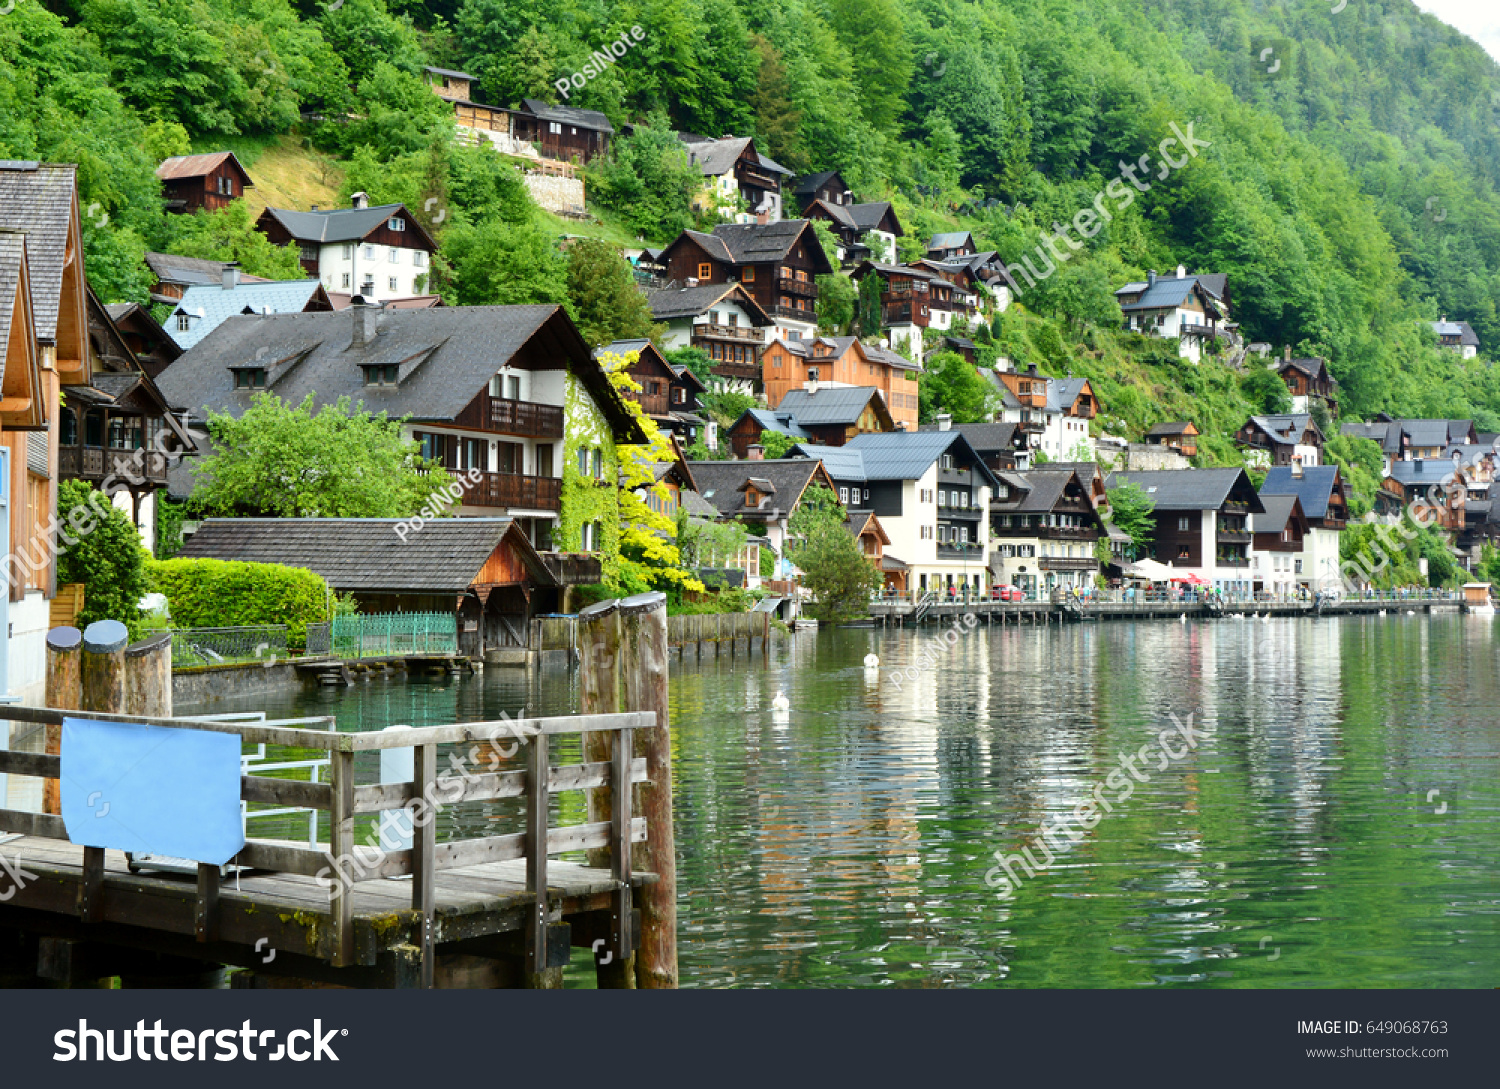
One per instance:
[(847, 844)]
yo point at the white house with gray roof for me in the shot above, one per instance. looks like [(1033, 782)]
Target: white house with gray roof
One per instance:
[(379, 252), (1184, 307)]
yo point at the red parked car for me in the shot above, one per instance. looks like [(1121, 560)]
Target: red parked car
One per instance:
[(1008, 593)]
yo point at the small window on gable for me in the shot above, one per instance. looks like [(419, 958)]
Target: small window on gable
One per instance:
[(705, 270), (383, 375), (396, 223), (748, 275)]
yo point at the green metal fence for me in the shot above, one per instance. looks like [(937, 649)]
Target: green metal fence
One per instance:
[(383, 635), (225, 646)]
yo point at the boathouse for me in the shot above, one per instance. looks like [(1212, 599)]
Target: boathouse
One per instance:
[(484, 570)]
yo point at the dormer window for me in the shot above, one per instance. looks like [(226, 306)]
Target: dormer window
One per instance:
[(184, 322), (384, 374), (250, 378), (752, 497)]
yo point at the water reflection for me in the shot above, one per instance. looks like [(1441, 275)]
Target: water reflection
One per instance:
[(847, 844)]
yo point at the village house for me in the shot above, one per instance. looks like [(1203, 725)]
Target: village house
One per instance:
[(1278, 536), (988, 272), (210, 182), (734, 170), (842, 362), (831, 416), (564, 133), (1001, 446), (946, 247), (761, 492), (668, 394), (1201, 522), (776, 264), (1181, 307), (1053, 413), (911, 300), (826, 187), (1424, 479), (378, 252), (1180, 435), (118, 428), (504, 391), (1308, 380), (150, 344), (1279, 440), (1324, 502), (931, 491), (1045, 527), (174, 275), (1457, 336), (750, 429), (44, 337), (965, 293), (485, 571), (722, 320), (1407, 440), (204, 306), (866, 231)]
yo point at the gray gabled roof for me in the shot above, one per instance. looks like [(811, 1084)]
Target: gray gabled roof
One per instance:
[(367, 554), (1045, 487), (1188, 489), (757, 243), (445, 358), (1461, 329), (668, 303), (1167, 292), (449, 72), (174, 269), (783, 423), (1420, 472), (348, 224), (868, 216), (950, 240), (984, 437), (844, 464), (829, 406), (1314, 487), (1278, 510), (1171, 427), (568, 115), (1286, 429), (722, 483), (37, 199), (207, 305), (906, 455), (715, 157)]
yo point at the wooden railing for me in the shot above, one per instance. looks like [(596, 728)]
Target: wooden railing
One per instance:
[(718, 331), (343, 799), (515, 490), (97, 463), (526, 418)]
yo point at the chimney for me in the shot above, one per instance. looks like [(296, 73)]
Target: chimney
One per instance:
[(1181, 271), (314, 208), (360, 199), (364, 322), (944, 421), (1286, 353), (1151, 278), (229, 276), (691, 281), (755, 452), (1031, 372), (1296, 468)]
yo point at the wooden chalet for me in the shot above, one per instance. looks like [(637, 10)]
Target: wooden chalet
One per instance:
[(118, 433), (449, 83), (908, 296), (964, 294), (842, 361), (1309, 380), (561, 132), (483, 570), (1201, 519), (668, 394), (826, 186), (944, 247), (1282, 438), (1283, 527), (829, 415), (722, 320), (1423, 479), (1044, 524), (860, 228), (148, 342), (865, 527), (1180, 435), (777, 264), (210, 182), (732, 166)]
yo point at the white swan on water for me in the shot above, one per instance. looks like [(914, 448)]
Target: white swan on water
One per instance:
[(1182, 619), (780, 702), (872, 662)]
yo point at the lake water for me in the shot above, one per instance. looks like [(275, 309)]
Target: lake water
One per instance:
[(1339, 826)]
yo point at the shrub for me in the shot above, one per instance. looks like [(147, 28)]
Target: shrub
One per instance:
[(107, 556), (231, 594)]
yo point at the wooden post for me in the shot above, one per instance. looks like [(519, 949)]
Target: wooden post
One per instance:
[(599, 694), (64, 692), (643, 643), (148, 677), (103, 669)]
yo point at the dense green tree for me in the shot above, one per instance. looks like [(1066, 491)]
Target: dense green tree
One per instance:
[(602, 291), (648, 180), (500, 264), (1265, 390), (1130, 509), (951, 384), (229, 234), (287, 461), (835, 572), (101, 548)]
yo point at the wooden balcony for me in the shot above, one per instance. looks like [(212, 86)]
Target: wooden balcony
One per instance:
[(957, 550), (528, 418), (574, 568), (727, 369), (794, 286), (900, 315), (795, 314), (1234, 536), (97, 464), (712, 331), (515, 490), (1068, 563)]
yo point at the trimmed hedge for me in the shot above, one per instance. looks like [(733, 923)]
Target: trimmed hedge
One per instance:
[(232, 594)]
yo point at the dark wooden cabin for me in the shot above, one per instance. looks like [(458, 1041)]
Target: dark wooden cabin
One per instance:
[(211, 181)]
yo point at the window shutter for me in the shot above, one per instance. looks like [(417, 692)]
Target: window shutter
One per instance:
[(36, 452)]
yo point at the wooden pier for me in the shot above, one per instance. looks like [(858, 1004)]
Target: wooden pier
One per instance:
[(397, 910)]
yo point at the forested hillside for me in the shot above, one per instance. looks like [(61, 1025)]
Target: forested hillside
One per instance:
[(1349, 194)]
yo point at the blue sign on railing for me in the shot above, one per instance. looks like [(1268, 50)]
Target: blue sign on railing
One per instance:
[(152, 790)]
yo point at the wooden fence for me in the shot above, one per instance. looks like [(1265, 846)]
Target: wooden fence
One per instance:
[(560, 633)]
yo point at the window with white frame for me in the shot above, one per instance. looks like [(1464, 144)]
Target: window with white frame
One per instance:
[(396, 223), (392, 283), (344, 280), (418, 258), (393, 255), (348, 253), (369, 253)]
